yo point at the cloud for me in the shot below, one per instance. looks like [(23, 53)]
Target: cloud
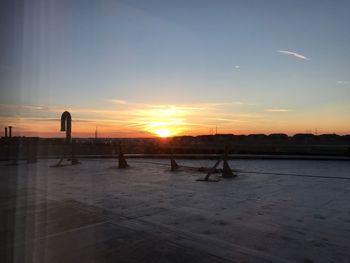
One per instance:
[(343, 82), (237, 66), (297, 55), (116, 101), (23, 107), (277, 110)]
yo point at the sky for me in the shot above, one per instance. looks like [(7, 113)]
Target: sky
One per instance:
[(134, 68)]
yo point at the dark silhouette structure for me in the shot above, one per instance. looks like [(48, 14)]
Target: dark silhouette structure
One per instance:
[(5, 132), (10, 131), (226, 169), (74, 159), (173, 163), (66, 125), (122, 163)]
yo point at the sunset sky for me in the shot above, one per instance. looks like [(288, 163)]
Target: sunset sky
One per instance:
[(172, 67)]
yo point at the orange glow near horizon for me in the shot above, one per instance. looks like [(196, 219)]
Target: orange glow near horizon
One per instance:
[(145, 120), (163, 132), (51, 129)]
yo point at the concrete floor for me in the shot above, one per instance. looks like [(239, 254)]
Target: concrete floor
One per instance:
[(93, 212)]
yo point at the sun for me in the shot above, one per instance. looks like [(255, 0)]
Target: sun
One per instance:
[(163, 132)]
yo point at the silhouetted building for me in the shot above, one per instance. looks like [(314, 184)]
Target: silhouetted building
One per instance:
[(329, 137), (278, 136), (304, 137)]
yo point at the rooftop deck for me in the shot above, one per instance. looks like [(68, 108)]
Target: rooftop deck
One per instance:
[(93, 212)]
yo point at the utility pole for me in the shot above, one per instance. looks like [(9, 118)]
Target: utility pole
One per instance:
[(96, 134)]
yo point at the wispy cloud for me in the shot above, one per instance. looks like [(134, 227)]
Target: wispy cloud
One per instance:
[(277, 110), (117, 101), (23, 107), (297, 55), (343, 82)]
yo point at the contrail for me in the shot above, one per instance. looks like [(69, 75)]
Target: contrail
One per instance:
[(293, 54)]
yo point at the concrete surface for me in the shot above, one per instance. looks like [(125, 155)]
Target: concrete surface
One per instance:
[(93, 212)]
